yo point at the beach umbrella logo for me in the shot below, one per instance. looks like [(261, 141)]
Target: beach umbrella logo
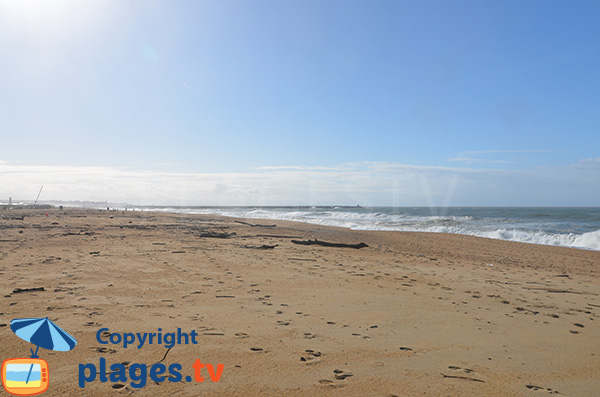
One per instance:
[(29, 376), (42, 332)]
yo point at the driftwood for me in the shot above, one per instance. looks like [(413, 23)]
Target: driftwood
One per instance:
[(463, 377), (252, 225), (216, 235), (275, 236), (21, 290), (327, 244), (260, 247)]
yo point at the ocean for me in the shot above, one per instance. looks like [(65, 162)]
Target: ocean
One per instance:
[(577, 227)]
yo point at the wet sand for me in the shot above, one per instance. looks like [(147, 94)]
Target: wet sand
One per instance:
[(410, 314)]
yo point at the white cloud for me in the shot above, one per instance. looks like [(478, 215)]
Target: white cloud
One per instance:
[(491, 156), (296, 167), (588, 164), (471, 152), (476, 160), (364, 183)]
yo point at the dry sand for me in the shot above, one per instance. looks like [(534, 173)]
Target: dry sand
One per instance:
[(411, 314)]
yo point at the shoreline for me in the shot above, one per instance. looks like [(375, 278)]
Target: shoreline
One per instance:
[(553, 239), (412, 313)]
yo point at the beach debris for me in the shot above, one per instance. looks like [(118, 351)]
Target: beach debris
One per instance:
[(522, 309), (455, 368), (259, 247), (463, 377), (34, 289), (276, 236), (536, 388), (558, 291), (253, 225), (328, 244), (212, 234), (81, 233)]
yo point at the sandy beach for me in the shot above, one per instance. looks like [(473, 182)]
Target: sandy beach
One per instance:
[(409, 314)]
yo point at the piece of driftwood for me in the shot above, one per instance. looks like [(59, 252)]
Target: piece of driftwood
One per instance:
[(21, 290), (327, 244), (275, 236), (216, 235), (463, 377), (252, 225), (260, 247)]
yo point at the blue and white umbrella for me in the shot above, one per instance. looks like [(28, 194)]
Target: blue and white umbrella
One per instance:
[(43, 333)]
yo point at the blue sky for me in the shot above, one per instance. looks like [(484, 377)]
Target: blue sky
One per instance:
[(301, 102)]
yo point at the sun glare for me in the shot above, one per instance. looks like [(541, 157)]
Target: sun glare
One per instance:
[(48, 17)]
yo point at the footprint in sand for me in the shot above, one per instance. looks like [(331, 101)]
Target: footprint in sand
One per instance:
[(455, 368), (341, 374), (311, 356), (104, 350)]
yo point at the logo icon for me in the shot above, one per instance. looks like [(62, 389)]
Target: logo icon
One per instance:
[(25, 376), (30, 376)]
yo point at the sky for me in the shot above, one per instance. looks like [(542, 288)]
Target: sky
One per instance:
[(463, 103)]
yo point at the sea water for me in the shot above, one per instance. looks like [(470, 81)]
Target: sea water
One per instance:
[(577, 227)]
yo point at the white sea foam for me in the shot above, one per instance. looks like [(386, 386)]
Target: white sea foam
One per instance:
[(519, 229)]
